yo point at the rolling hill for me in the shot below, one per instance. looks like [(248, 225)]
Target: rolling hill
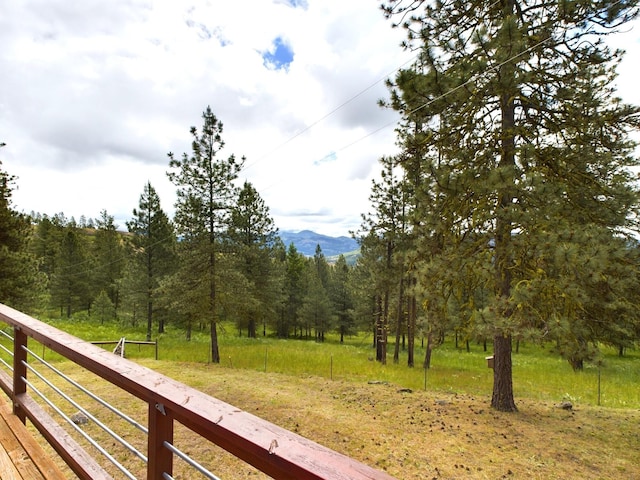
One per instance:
[(306, 241)]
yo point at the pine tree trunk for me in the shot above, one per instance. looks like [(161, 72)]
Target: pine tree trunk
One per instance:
[(502, 398), (427, 354), (381, 327), (400, 316), (215, 352), (411, 331), (149, 318)]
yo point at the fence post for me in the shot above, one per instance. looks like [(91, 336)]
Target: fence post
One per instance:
[(19, 370), (160, 431)]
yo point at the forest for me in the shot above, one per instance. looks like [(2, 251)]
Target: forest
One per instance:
[(509, 214)]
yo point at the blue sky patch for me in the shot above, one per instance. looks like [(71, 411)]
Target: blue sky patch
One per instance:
[(279, 56), (295, 3), (329, 157)]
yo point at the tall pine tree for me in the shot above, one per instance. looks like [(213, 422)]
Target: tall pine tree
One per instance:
[(206, 194), (525, 144), (252, 233), (154, 250)]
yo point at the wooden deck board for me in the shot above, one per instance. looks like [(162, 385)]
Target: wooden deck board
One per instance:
[(21, 456)]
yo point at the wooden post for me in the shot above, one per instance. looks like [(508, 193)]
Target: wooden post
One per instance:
[(160, 431), (19, 371)]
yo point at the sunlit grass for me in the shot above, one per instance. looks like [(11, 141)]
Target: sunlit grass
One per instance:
[(538, 372)]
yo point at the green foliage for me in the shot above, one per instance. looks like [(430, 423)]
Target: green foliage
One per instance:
[(152, 259), (206, 194), (295, 286), (315, 311), (516, 149), (107, 257), (252, 234), (103, 308), (71, 280), (20, 284), (342, 298)]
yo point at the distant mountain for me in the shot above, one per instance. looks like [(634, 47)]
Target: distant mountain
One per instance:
[(306, 242)]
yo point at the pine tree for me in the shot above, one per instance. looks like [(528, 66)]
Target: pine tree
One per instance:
[(153, 250), (108, 259), (320, 292), (294, 290), (20, 283), (526, 148), (103, 308), (341, 298), (70, 285), (385, 231), (206, 193), (252, 233), (315, 311)]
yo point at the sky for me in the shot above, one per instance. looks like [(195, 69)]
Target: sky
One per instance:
[(94, 94)]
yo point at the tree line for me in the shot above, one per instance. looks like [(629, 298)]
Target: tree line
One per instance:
[(219, 259), (509, 214)]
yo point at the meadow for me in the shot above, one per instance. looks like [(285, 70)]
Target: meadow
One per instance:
[(539, 373)]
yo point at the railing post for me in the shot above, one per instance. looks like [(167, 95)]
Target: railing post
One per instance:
[(19, 370), (160, 431)]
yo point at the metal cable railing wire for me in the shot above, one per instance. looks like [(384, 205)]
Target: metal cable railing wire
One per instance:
[(104, 427), (3, 361), (95, 397), (6, 350), (95, 444), (188, 460)]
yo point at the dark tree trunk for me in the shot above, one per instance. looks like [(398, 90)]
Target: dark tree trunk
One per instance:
[(399, 322), (427, 354), (411, 330), (215, 352), (149, 319), (502, 398), (381, 334)]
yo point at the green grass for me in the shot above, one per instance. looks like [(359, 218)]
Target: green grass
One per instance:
[(539, 374)]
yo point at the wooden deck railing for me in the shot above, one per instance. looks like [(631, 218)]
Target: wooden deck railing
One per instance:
[(273, 450)]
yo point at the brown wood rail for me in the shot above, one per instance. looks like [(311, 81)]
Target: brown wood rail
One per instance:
[(271, 449)]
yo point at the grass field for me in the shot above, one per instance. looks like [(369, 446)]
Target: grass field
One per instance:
[(382, 415), (539, 373)]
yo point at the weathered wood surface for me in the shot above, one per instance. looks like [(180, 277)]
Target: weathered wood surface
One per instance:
[(21, 456)]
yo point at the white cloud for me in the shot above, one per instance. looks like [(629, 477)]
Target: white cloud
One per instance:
[(94, 94)]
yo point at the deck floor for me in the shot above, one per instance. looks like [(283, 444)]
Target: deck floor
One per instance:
[(21, 456)]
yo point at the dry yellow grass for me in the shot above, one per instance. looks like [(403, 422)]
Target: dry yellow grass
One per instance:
[(410, 435)]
